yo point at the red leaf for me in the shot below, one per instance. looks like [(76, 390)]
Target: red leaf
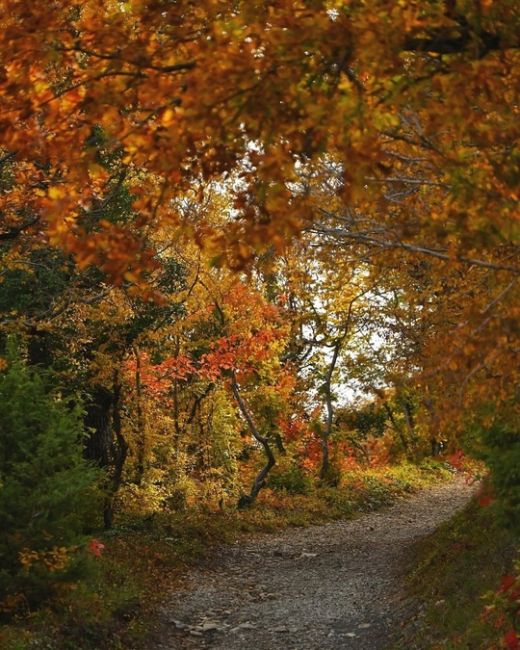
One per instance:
[(485, 500), (95, 547), (511, 640), (506, 583)]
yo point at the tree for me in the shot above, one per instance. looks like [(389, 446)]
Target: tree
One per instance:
[(48, 491), (382, 89), (149, 149)]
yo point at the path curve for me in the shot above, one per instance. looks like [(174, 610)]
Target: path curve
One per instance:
[(324, 587)]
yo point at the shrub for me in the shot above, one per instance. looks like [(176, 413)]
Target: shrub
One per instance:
[(332, 477), (500, 449), (292, 479), (47, 489), (339, 502)]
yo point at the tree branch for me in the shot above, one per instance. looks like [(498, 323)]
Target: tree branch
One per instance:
[(414, 248)]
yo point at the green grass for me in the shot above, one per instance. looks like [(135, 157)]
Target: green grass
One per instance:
[(145, 556), (452, 571)]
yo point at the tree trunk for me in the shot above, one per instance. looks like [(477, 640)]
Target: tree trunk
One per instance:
[(325, 457), (325, 474), (410, 424), (396, 427), (141, 425), (259, 482), (325, 435), (39, 350), (436, 447), (119, 454), (98, 422), (176, 411)]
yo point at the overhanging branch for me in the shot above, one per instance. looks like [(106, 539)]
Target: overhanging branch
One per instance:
[(441, 254)]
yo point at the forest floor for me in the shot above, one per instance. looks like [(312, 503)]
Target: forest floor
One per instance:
[(332, 586)]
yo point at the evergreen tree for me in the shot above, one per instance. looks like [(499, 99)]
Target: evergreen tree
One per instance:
[(47, 489)]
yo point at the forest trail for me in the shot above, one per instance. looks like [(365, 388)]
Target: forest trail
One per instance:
[(326, 587)]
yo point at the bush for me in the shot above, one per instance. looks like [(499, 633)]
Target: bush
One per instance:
[(47, 489), (500, 449), (293, 480), (340, 502)]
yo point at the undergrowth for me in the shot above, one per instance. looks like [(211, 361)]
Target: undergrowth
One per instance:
[(463, 576), (143, 557)]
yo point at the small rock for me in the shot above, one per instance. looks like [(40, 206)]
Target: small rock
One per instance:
[(308, 555), (244, 626), (364, 626), (195, 633), (284, 553), (178, 624), (281, 629), (351, 634), (210, 626)]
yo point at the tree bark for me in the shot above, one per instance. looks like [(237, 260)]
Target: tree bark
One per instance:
[(410, 423), (141, 426), (325, 463), (98, 422), (325, 436), (119, 453), (259, 482)]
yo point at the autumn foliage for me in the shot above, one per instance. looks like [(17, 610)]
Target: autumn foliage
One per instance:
[(256, 243)]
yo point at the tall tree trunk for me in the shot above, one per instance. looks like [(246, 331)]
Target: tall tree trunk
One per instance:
[(326, 433), (259, 482), (141, 425), (98, 422), (410, 424), (325, 474), (119, 453), (176, 412)]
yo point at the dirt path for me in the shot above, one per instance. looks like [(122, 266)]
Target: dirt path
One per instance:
[(325, 587)]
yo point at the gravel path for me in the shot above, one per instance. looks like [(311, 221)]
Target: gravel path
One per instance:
[(320, 588)]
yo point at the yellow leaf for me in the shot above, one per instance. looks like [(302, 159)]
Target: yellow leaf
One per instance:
[(56, 192)]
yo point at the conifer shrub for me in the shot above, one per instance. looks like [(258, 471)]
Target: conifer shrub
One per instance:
[(48, 492)]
